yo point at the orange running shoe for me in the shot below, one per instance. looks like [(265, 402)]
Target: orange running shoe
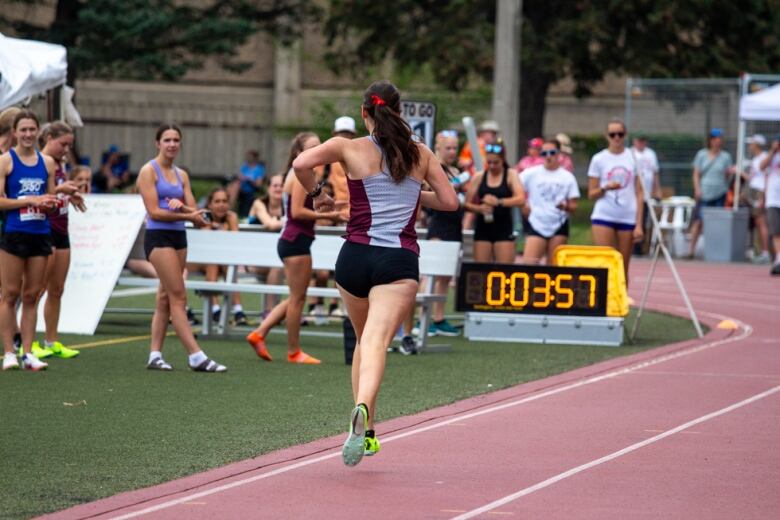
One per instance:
[(303, 358), (258, 343)]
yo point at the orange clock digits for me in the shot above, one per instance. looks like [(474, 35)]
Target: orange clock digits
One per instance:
[(491, 277), (591, 288), (564, 291), (523, 290), (542, 290)]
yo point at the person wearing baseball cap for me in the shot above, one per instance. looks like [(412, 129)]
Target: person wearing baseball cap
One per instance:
[(756, 188), (344, 126), (532, 158), (771, 168)]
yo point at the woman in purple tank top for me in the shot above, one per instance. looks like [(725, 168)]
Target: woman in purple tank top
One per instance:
[(377, 270), (294, 248), (56, 140), (169, 204)]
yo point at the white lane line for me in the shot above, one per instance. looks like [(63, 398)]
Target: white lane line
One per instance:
[(745, 331), (588, 465), (708, 374)]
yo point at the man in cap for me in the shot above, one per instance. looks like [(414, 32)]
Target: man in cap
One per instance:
[(771, 167), (344, 126), (756, 188), (532, 158), (487, 133)]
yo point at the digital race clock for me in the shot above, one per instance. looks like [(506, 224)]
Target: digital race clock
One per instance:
[(532, 289)]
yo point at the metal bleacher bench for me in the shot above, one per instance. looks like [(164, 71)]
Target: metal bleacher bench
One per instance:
[(258, 249)]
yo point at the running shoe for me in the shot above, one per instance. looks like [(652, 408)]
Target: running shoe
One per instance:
[(258, 343), (30, 362), (10, 362), (209, 365), (319, 315), (775, 269), (41, 352), (215, 315), (336, 311), (408, 346), (302, 358), (431, 330), (372, 446), (444, 328), (239, 318), (355, 445), (60, 350)]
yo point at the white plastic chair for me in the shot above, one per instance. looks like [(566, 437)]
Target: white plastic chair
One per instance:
[(676, 215)]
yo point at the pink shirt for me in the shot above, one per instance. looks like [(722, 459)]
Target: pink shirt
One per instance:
[(565, 162), (528, 161)]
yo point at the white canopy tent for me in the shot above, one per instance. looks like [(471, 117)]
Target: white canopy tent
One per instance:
[(28, 68), (763, 105)]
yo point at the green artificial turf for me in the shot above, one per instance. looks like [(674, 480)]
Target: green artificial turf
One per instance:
[(100, 424)]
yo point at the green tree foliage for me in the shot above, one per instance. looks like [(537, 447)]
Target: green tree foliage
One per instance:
[(158, 39), (582, 40)]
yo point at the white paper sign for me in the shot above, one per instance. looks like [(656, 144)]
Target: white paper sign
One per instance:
[(100, 242)]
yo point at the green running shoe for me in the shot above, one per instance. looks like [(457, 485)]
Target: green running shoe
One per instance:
[(354, 446), (40, 352), (372, 446), (60, 350)]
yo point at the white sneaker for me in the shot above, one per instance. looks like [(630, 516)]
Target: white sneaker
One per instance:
[(319, 315), (10, 362), (30, 362), (763, 258)]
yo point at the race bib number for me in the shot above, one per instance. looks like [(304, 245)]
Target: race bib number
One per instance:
[(31, 213)]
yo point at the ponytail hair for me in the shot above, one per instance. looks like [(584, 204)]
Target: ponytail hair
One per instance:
[(55, 130), (382, 102), (296, 147)]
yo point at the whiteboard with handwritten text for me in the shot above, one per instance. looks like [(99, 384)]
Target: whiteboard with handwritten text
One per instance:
[(100, 242)]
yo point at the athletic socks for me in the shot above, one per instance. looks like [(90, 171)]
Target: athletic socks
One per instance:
[(197, 358), (154, 355), (238, 308)]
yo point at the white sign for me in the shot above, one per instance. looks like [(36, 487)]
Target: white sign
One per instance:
[(421, 116), (100, 242)]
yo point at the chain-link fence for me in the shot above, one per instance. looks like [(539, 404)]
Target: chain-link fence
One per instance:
[(676, 116)]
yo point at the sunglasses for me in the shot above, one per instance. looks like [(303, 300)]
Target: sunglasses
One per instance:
[(449, 133), (614, 135), (494, 148), (548, 153)]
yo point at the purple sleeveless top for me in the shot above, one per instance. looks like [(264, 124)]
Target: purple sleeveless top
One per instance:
[(58, 220), (383, 212), (166, 190), (293, 228)]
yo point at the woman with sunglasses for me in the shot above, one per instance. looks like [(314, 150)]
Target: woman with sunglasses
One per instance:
[(552, 193), (491, 193), (616, 220)]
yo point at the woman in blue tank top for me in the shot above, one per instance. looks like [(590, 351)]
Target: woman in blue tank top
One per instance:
[(27, 196), (377, 269), (169, 204)]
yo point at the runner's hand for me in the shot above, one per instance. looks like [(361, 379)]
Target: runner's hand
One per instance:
[(196, 217), (639, 234), (490, 200), (174, 204), (77, 199), (323, 203), (47, 201)]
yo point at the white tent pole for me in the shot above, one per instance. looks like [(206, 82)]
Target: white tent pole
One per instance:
[(656, 230), (743, 81)]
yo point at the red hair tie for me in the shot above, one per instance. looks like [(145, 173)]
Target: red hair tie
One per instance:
[(376, 100)]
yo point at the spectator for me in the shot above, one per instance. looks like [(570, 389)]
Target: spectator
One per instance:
[(711, 169), (616, 220), (771, 167), (6, 128), (491, 194), (487, 133), (115, 169), (647, 167), (334, 173), (756, 186), (269, 211), (245, 188), (532, 158), (552, 193), (565, 152), (220, 217)]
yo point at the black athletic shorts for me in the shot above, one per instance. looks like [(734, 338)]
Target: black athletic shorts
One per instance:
[(26, 245), (529, 230), (301, 246), (360, 267), (497, 232), (164, 238), (60, 240)]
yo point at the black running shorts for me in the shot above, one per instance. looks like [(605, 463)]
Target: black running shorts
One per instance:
[(360, 267)]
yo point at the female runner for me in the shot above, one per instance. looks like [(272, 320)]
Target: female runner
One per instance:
[(377, 270)]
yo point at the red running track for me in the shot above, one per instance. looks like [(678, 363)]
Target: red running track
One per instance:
[(685, 431)]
